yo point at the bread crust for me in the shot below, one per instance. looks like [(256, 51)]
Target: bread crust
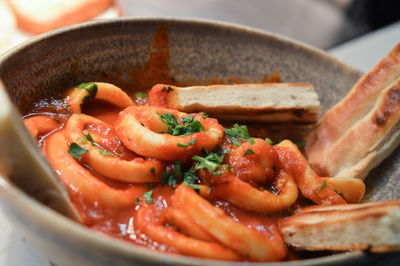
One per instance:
[(374, 226), (295, 103), (349, 139)]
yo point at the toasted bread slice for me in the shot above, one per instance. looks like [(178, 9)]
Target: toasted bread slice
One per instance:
[(295, 103), (374, 226), (43, 15), (361, 130)]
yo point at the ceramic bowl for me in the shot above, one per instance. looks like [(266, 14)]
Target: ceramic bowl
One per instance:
[(120, 51)]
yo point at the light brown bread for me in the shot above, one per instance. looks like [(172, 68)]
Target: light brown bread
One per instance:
[(361, 130), (270, 102), (374, 226)]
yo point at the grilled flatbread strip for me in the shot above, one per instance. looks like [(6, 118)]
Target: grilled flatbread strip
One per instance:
[(269, 102), (374, 226), (360, 131)]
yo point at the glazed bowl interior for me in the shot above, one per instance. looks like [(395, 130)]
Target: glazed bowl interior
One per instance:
[(134, 54)]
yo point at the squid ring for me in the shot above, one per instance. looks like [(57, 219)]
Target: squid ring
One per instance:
[(140, 128), (186, 224), (351, 189), (309, 183), (40, 124), (138, 170), (76, 96), (81, 181), (154, 227), (232, 234), (247, 197)]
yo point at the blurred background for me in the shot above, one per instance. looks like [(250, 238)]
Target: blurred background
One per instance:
[(321, 23)]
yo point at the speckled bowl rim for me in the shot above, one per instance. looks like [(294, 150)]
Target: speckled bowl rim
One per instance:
[(59, 225)]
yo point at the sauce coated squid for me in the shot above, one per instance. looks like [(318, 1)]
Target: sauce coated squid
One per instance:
[(177, 182), (77, 96), (40, 124), (260, 166), (167, 134), (82, 181), (138, 170)]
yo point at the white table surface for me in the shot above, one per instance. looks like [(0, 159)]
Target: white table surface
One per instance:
[(362, 53)]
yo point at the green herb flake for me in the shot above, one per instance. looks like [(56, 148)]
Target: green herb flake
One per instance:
[(190, 178), (168, 89), (269, 141), (106, 153), (141, 95), (248, 152), (192, 141), (188, 124), (88, 136), (204, 115), (340, 194), (237, 133), (187, 119), (76, 151), (65, 106), (137, 200), (182, 145), (300, 144), (148, 196), (91, 88), (153, 171), (171, 178), (321, 187), (148, 185), (211, 161)]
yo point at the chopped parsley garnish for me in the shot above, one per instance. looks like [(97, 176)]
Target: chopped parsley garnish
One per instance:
[(182, 145), (137, 200), (248, 152), (88, 136), (340, 194), (171, 178), (188, 126), (191, 142), (269, 141), (148, 196), (141, 95), (91, 88), (167, 89), (189, 178), (76, 151), (237, 133), (204, 115), (211, 161), (300, 144), (106, 153), (148, 185), (320, 187), (65, 106), (153, 170)]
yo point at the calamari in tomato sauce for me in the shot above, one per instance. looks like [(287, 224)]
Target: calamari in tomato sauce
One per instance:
[(176, 182)]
